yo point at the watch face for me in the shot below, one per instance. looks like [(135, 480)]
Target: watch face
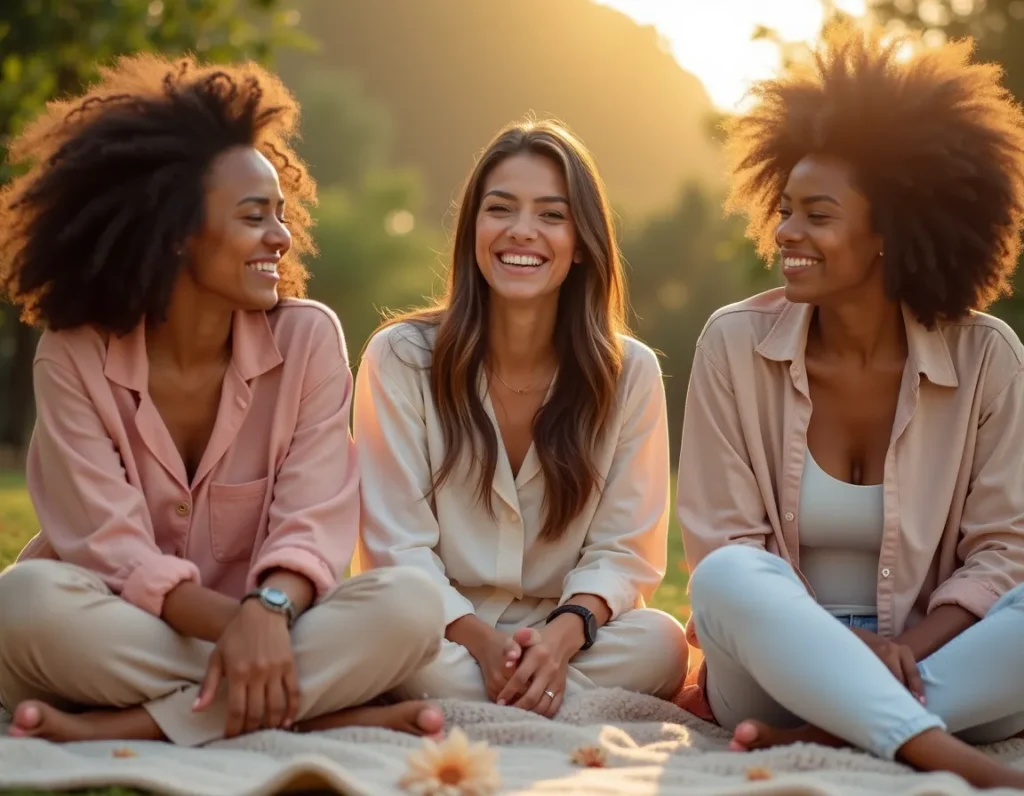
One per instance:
[(275, 597)]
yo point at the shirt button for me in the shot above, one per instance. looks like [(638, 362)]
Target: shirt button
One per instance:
[(183, 509), (512, 517), (789, 516), (885, 572)]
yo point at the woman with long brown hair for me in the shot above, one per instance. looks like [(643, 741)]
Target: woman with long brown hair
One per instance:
[(513, 444)]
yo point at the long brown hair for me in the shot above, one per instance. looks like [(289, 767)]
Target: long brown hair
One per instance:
[(591, 318)]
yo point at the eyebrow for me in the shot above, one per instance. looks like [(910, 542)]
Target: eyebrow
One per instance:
[(818, 197), (512, 197), (260, 200)]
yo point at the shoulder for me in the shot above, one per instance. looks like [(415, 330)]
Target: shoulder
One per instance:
[(986, 347), (303, 325), (408, 345), (984, 335), (749, 320), (81, 349), (738, 329), (640, 364)]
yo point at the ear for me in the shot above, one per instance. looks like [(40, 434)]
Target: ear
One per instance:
[(577, 257)]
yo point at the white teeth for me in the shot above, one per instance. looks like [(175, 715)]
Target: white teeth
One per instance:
[(521, 259), (799, 262), (268, 267)]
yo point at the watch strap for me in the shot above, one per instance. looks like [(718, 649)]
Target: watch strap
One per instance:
[(583, 613), (287, 608)]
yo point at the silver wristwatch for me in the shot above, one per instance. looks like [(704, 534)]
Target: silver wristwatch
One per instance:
[(274, 600)]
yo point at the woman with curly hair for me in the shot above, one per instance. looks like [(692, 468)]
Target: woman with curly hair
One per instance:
[(514, 445), (191, 464), (850, 479)]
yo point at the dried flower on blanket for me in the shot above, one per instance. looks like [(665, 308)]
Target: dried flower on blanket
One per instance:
[(454, 767), (589, 756), (124, 751), (759, 772)]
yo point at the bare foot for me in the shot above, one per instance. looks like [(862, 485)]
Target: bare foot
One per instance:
[(35, 719), (415, 718), (750, 735)]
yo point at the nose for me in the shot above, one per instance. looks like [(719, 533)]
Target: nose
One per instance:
[(522, 228), (278, 237), (789, 231)]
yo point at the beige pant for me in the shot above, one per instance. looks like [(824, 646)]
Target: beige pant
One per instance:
[(67, 640), (643, 650)]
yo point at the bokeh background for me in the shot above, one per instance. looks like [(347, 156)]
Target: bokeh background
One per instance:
[(399, 96)]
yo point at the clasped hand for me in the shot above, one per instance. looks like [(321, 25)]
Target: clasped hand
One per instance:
[(254, 655), (524, 670), (898, 658)]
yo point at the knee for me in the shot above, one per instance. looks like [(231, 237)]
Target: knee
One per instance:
[(409, 604), (664, 641), (34, 599), (726, 574), (1014, 598)]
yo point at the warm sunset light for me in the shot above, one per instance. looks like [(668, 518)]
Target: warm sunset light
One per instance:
[(713, 40)]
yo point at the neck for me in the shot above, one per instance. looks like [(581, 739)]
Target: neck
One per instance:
[(197, 332), (865, 332), (521, 340)]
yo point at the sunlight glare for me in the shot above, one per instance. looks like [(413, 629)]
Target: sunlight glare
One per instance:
[(712, 38)]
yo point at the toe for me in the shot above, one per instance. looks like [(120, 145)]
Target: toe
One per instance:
[(746, 732), (430, 720)]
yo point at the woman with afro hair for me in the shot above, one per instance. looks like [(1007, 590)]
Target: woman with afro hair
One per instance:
[(191, 464), (851, 470)]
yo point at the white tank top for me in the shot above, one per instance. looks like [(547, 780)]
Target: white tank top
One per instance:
[(840, 540)]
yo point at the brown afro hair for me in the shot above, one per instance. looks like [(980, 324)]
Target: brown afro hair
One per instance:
[(90, 235), (936, 145)]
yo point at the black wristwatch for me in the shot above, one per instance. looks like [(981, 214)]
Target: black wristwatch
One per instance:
[(274, 600), (589, 623)]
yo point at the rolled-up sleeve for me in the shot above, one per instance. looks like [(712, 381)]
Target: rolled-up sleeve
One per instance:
[(718, 500), (991, 544), (314, 513), (91, 516), (398, 525), (624, 556)]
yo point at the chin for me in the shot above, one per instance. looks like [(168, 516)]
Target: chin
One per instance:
[(800, 294)]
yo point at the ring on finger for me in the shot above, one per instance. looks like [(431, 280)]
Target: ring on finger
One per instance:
[(549, 694)]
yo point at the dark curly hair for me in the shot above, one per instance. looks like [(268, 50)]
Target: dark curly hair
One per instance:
[(92, 233), (935, 143)]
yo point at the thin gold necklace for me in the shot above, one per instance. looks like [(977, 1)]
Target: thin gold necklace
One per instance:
[(517, 391)]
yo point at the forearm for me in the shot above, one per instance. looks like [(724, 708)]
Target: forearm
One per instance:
[(470, 632), (198, 612), (936, 630)]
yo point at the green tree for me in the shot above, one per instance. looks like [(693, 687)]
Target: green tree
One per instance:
[(51, 48)]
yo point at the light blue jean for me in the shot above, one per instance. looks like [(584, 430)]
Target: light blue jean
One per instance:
[(775, 655)]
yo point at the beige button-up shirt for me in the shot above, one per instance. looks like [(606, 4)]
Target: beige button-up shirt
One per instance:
[(498, 567), (954, 471)]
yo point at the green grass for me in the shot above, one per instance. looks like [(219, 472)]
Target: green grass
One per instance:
[(18, 524)]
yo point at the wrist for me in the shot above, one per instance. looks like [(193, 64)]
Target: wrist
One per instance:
[(565, 635), (472, 633), (255, 609)]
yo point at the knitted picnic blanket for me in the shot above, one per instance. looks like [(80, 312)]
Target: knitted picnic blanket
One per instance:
[(648, 747)]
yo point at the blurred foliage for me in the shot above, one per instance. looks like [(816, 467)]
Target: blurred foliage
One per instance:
[(684, 264)]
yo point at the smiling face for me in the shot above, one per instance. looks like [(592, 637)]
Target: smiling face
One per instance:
[(827, 246), (525, 234), (234, 257)]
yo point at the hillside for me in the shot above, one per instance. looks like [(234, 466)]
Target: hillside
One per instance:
[(450, 72)]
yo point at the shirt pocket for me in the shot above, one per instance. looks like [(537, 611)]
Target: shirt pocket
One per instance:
[(236, 513)]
